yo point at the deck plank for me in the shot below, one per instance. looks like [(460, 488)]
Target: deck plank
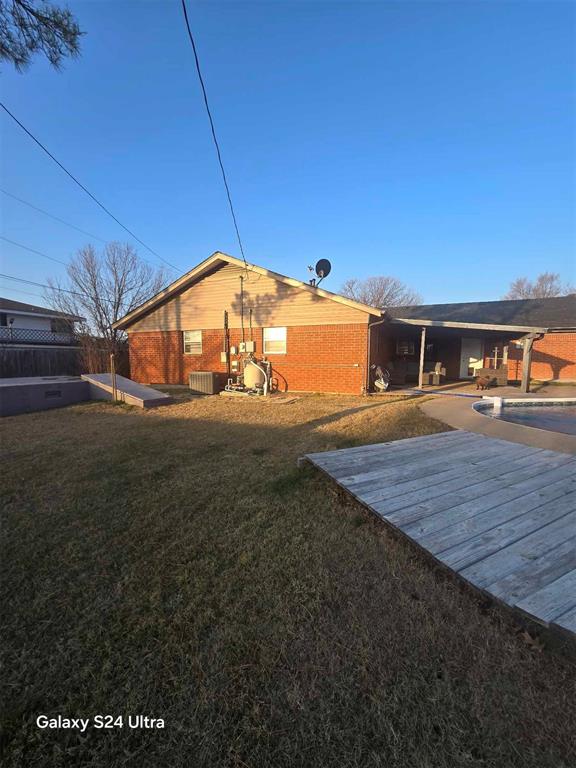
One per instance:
[(431, 463), (390, 457), (426, 518), (450, 479), (437, 513), (553, 600), (494, 518), (500, 515), (506, 561), (393, 444), (351, 456), (535, 574), (567, 620), (486, 544)]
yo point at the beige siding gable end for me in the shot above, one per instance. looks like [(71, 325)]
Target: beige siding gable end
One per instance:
[(273, 302)]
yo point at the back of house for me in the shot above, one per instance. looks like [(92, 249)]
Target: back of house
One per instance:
[(319, 341), (316, 340)]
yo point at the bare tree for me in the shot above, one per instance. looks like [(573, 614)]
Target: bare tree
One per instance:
[(380, 292), (546, 285), (103, 287), (28, 27)]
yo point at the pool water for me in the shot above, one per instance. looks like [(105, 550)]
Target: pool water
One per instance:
[(556, 418)]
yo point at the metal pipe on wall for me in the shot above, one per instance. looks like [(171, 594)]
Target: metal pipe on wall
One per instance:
[(227, 342), (242, 305)]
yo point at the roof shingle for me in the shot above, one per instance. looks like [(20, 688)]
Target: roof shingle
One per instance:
[(9, 305), (558, 312)]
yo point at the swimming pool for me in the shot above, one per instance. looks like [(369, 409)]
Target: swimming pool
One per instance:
[(553, 416)]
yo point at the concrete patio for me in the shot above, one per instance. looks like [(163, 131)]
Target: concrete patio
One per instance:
[(452, 404)]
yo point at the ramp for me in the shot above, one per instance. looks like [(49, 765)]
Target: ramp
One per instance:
[(128, 391)]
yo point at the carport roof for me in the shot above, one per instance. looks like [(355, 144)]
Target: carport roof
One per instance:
[(557, 313)]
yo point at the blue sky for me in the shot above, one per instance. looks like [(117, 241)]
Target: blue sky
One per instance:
[(433, 141)]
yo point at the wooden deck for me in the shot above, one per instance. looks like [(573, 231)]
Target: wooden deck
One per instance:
[(499, 514)]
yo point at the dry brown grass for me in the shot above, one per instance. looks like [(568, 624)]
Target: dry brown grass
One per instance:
[(175, 563)]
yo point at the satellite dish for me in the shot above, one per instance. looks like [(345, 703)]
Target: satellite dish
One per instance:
[(323, 268)]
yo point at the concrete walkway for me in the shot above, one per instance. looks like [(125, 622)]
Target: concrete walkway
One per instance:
[(469, 388), (458, 412)]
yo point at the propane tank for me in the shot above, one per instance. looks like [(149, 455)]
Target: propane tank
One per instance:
[(254, 376)]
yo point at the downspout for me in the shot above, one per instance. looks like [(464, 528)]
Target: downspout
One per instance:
[(370, 326)]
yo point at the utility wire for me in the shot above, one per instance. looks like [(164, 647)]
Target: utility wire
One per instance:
[(49, 287), (75, 180), (32, 250), (41, 285), (67, 223), (213, 131), (27, 293), (51, 216)]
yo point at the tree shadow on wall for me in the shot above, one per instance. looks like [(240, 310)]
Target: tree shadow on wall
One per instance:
[(555, 363), (263, 305)]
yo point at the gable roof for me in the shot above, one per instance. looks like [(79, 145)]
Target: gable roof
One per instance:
[(553, 313), (20, 307), (220, 259)]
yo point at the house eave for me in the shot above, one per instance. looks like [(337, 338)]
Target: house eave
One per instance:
[(51, 316), (469, 326)]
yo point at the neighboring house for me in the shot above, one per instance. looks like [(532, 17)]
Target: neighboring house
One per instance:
[(320, 341), (36, 341), (27, 324)]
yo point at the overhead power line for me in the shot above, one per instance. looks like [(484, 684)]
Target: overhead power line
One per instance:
[(42, 285), (26, 293), (51, 216), (87, 191), (32, 250), (50, 287), (68, 224), (212, 128)]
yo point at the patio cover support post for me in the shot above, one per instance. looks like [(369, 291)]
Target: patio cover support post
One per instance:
[(422, 350), (527, 344)]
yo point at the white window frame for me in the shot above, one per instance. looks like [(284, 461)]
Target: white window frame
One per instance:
[(195, 344), (282, 337)]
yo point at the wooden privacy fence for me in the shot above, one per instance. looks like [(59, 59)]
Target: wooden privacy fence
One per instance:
[(34, 361)]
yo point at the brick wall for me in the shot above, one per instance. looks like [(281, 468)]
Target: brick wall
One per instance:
[(320, 358), (553, 358)]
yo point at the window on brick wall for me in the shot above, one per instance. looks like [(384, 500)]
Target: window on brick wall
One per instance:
[(192, 342), (274, 341)]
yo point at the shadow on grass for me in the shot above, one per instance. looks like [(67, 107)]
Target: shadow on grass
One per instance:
[(177, 564)]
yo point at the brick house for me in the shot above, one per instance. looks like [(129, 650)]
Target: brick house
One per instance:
[(315, 339), (320, 341)]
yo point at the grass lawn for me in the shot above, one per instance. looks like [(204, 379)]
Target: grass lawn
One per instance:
[(176, 564)]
